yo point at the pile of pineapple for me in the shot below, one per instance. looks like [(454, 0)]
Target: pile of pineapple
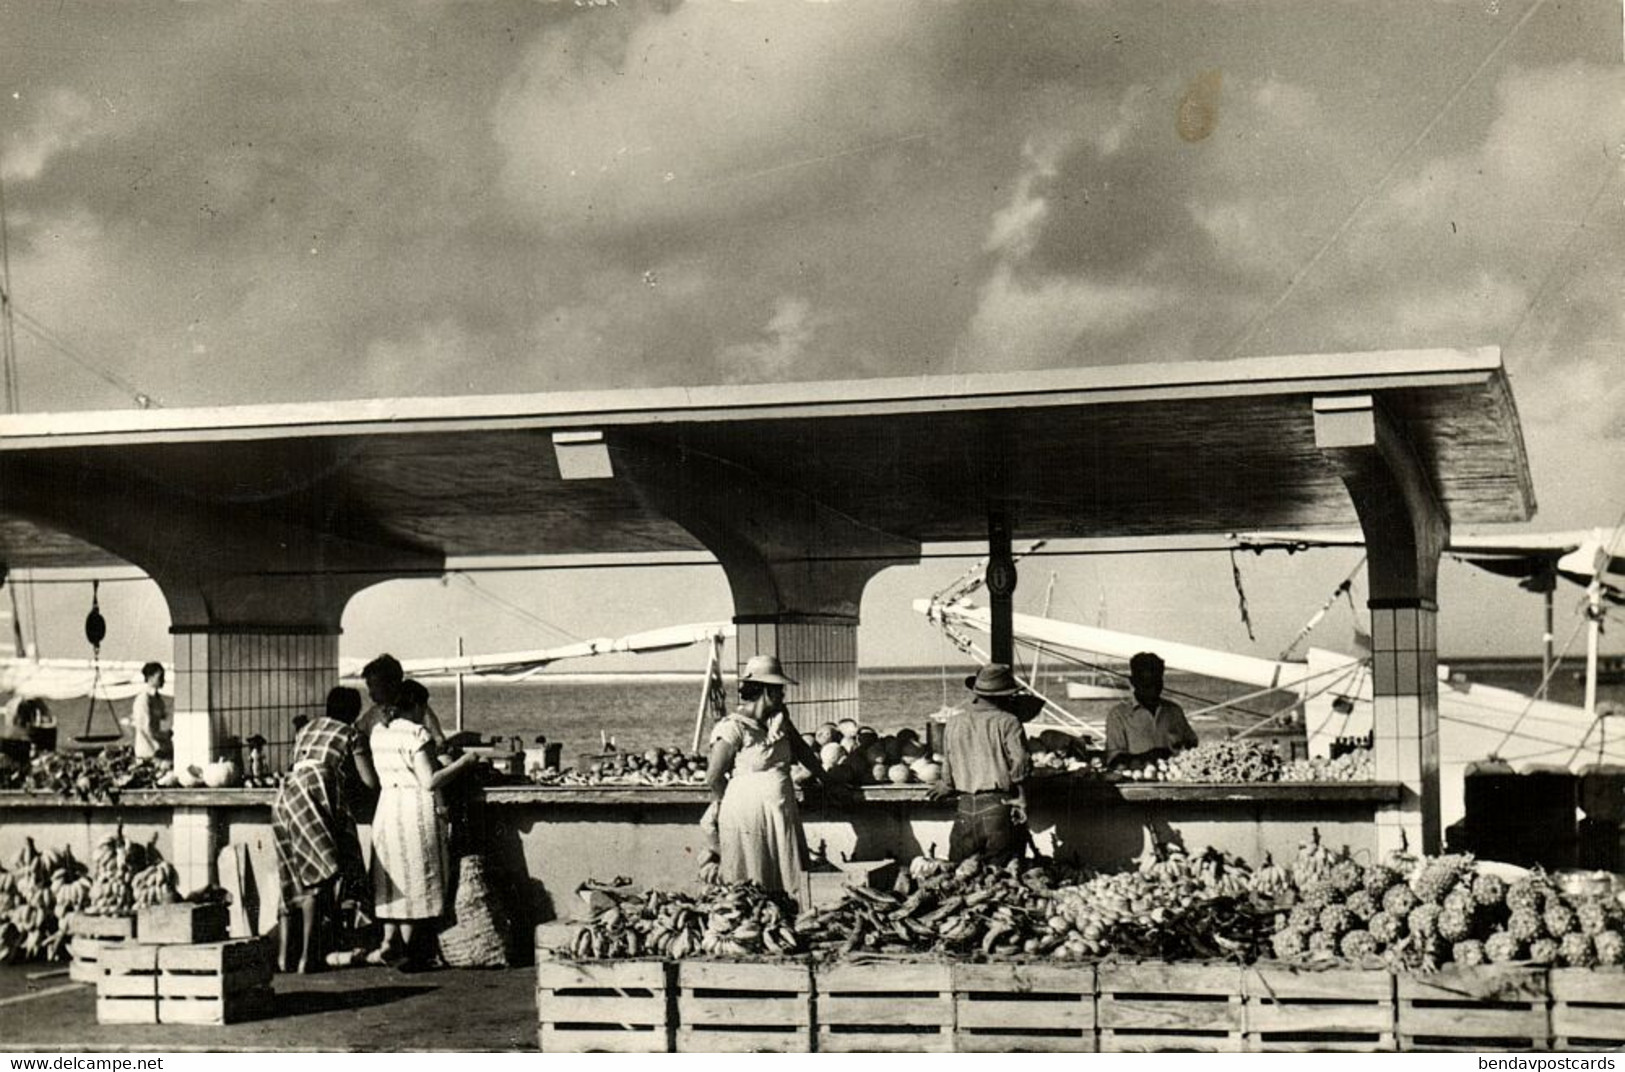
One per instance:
[(1408, 912)]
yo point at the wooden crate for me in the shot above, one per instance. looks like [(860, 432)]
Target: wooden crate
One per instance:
[(1290, 1009), (1588, 1008), (1152, 1007), (1489, 1006), (214, 982), (885, 1007), (80, 925), (127, 991), (1030, 1008), (86, 953), (736, 1007), (613, 1006), (183, 924)]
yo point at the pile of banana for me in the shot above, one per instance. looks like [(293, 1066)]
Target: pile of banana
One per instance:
[(36, 891), (156, 885), (112, 892), (727, 921)]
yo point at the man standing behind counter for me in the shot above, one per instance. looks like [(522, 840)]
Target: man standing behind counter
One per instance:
[(985, 762), (1147, 726)]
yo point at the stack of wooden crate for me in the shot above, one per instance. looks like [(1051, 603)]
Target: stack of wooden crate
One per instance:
[(181, 969), (88, 936)]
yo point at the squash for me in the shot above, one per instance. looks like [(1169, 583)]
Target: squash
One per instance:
[(221, 774)]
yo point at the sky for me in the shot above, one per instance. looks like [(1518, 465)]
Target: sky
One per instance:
[(214, 204)]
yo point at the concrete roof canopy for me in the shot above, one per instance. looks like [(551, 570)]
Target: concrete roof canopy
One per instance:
[(1114, 451)]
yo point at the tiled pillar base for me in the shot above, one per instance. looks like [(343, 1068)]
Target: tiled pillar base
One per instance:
[(822, 655), (1405, 719)]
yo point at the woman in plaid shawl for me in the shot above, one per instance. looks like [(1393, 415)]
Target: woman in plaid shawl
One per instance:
[(315, 835)]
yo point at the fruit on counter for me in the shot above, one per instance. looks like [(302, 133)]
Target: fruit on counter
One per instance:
[(1225, 761), (189, 777), (156, 884), (93, 777), (899, 774), (221, 774), (1355, 765), (738, 920), (831, 754), (826, 734), (657, 766)]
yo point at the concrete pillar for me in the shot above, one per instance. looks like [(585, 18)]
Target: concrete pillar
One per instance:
[(1406, 529), (797, 567)]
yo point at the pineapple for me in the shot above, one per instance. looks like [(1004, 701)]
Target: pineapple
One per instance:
[(1525, 924), (1345, 874), (1303, 918), (1501, 947), (1592, 916), (1399, 901), (1543, 950), (1386, 928), (1489, 891), (1424, 920), (1289, 944), (1316, 892), (1439, 874), (1455, 922), (1336, 920), (1610, 946), (1469, 952), (1362, 905), (1461, 899), (1379, 880), (1358, 945), (1322, 946), (1527, 893), (1559, 919), (1576, 951)]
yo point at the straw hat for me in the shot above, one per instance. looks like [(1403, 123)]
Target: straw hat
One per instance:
[(994, 679), (765, 670)]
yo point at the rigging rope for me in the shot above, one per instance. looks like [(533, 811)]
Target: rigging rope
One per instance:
[(1241, 595)]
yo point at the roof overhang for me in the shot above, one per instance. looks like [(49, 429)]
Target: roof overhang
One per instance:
[(1114, 451)]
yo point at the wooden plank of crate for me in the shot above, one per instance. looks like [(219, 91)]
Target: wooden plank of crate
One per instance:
[(1016, 1042), (743, 975), (1597, 986), (1484, 982), (1589, 1021), (182, 923), (615, 975), (126, 1010), (1133, 977), (1467, 1022), (594, 1009), (690, 1040), (884, 1042), (1169, 1013), (220, 958), (1357, 1019), (87, 926), (923, 1012), (127, 986), (888, 977), (128, 958), (1383, 1044), (1079, 1014), (232, 1009), (1024, 978), (740, 1012), (1117, 1042), (1277, 982), (552, 1039)]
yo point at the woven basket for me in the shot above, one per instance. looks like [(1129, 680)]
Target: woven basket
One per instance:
[(477, 936)]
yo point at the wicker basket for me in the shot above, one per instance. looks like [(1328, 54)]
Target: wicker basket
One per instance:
[(477, 936)]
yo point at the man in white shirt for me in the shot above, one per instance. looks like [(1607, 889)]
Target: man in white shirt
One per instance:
[(147, 715)]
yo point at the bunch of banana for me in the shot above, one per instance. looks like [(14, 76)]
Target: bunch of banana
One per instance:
[(156, 885), (741, 920), (111, 895)]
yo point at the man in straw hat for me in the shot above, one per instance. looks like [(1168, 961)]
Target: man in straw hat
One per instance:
[(984, 763)]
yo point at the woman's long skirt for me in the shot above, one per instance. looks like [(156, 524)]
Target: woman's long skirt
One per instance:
[(759, 829), (409, 863)]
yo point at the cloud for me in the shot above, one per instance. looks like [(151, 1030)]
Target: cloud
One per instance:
[(786, 337)]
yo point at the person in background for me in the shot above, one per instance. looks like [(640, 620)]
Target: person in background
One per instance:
[(1146, 727), (16, 747), (384, 676), (316, 845), (753, 827), (409, 857), (985, 766), (147, 714)]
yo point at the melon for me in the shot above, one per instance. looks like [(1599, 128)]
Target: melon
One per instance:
[(875, 753), (929, 772), (893, 748), (799, 774), (220, 775), (827, 733), (848, 727), (878, 772), (867, 735), (831, 755), (908, 733), (811, 739), (899, 773), (189, 777)]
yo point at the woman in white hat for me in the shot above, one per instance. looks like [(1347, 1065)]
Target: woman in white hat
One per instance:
[(753, 825)]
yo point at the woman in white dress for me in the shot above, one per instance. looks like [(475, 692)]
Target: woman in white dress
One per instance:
[(409, 858), (754, 824)]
